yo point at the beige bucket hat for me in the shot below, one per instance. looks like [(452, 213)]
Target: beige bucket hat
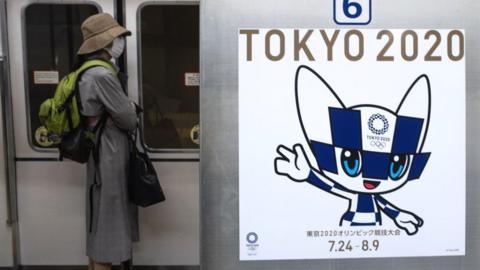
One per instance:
[(99, 31)]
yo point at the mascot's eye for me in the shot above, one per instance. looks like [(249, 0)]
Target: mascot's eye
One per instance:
[(351, 162), (398, 166)]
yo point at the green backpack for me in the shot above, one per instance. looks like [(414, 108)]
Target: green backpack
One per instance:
[(60, 116)]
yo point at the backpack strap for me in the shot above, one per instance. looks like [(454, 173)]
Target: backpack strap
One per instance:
[(86, 66), (95, 152), (79, 72), (75, 93), (95, 63), (100, 126)]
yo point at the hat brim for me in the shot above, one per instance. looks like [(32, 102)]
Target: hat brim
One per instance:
[(102, 40)]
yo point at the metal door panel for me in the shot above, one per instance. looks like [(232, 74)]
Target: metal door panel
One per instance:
[(5, 231), (51, 202), (52, 216), (169, 232), (6, 258), (220, 21)]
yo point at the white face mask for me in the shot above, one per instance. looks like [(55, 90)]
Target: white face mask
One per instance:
[(117, 47)]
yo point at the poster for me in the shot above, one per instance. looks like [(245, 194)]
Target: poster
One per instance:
[(351, 143)]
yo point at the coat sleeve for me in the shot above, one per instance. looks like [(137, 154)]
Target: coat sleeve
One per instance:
[(117, 104)]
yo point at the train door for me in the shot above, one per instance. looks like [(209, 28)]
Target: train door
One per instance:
[(163, 66), (43, 38), (163, 69)]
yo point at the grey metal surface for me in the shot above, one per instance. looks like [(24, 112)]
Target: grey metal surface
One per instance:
[(220, 20), (9, 142), (52, 216), (5, 231)]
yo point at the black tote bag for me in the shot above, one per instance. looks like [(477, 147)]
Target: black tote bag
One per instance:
[(143, 185)]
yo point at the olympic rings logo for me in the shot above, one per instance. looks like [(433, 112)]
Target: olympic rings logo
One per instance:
[(382, 118), (377, 144), (252, 238)]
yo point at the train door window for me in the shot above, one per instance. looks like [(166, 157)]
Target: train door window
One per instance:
[(169, 75), (52, 37)]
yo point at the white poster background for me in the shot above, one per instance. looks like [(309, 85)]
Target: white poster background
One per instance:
[(281, 212)]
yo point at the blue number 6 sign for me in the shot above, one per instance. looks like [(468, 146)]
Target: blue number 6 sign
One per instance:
[(352, 12)]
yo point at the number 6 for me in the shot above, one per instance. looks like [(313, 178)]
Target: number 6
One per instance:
[(347, 4)]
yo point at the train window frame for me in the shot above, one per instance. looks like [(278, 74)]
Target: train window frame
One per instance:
[(140, 72), (26, 75)]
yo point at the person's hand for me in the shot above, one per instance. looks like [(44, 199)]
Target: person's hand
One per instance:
[(137, 107)]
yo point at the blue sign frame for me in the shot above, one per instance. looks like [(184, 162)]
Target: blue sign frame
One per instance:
[(352, 23)]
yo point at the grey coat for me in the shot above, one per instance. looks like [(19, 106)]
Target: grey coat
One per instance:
[(112, 221)]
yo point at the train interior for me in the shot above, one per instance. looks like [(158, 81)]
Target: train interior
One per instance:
[(43, 198)]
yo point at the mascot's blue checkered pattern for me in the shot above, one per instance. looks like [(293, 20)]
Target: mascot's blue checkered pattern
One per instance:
[(359, 152)]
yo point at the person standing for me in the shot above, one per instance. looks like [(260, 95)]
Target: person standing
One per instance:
[(112, 221)]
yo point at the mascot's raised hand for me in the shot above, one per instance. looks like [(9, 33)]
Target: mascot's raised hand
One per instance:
[(292, 163)]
